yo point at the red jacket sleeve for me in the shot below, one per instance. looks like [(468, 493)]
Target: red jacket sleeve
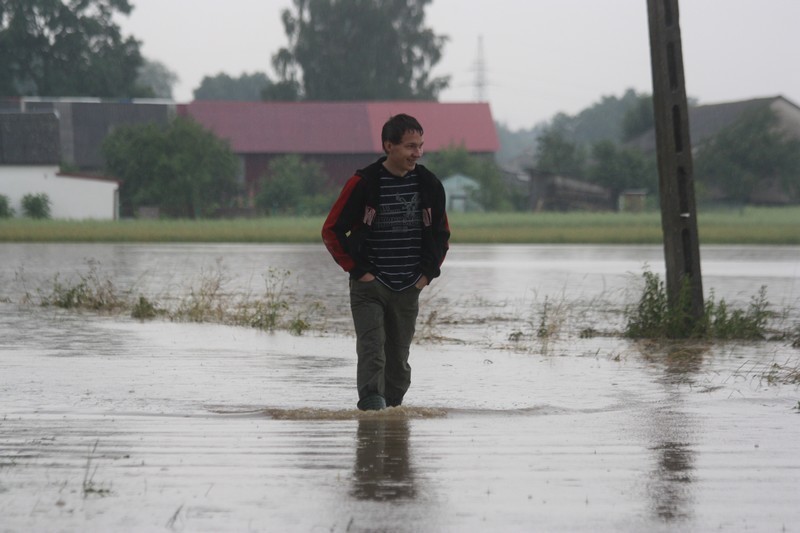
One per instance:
[(342, 219)]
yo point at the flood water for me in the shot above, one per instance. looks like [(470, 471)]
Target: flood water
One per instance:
[(112, 424)]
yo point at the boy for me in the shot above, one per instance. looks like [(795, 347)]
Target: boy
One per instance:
[(388, 229)]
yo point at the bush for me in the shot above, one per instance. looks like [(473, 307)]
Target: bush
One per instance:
[(654, 318), (6, 210), (293, 185), (36, 205)]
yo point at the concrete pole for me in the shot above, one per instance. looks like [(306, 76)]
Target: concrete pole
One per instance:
[(676, 182)]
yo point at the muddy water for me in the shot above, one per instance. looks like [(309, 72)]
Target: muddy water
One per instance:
[(109, 424)]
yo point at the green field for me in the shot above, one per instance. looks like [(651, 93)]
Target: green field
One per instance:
[(747, 226)]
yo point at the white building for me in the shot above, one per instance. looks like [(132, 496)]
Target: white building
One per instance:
[(71, 196), (30, 158)]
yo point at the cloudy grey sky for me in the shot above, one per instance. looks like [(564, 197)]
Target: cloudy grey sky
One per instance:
[(542, 56)]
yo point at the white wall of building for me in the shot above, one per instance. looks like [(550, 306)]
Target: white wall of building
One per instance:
[(75, 197)]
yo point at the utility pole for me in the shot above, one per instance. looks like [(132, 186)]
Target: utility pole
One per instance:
[(676, 180), (480, 73)]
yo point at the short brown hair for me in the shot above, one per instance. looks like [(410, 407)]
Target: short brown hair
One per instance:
[(397, 126)]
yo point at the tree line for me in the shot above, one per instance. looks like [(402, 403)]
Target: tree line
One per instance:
[(336, 50), (595, 146), (341, 50)]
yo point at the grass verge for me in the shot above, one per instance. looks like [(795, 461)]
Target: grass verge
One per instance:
[(752, 225)]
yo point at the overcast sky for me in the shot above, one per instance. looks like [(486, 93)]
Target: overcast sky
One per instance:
[(541, 56)]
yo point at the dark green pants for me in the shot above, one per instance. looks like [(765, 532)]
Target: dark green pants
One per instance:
[(384, 321)]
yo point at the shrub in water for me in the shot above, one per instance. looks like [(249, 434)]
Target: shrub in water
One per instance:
[(751, 323), (654, 318), (648, 320)]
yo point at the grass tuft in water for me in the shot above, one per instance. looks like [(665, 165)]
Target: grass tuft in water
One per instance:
[(91, 291), (89, 486), (770, 373), (144, 309), (206, 302), (265, 313), (751, 323), (795, 337), (785, 373), (653, 318)]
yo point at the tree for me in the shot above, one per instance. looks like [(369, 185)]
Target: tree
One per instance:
[(639, 118), (247, 87), (360, 50), (557, 156), (154, 77), (66, 48), (619, 168), (492, 194), (292, 185), (183, 169), (282, 91), (748, 154), (514, 144), (602, 121)]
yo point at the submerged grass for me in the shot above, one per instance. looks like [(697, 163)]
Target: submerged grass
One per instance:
[(206, 302), (751, 225), (91, 291), (89, 486), (770, 373), (549, 323)]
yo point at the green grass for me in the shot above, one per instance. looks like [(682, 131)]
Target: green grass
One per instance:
[(274, 229), (748, 226), (751, 225)]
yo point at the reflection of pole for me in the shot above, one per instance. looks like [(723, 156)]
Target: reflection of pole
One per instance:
[(676, 181)]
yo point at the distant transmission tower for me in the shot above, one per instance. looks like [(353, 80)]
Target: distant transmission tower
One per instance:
[(481, 81)]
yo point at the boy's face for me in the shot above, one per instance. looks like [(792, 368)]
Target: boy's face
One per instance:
[(402, 158)]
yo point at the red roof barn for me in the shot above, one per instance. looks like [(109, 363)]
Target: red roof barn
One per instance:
[(342, 136)]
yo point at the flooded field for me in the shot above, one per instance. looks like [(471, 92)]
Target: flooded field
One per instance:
[(108, 423)]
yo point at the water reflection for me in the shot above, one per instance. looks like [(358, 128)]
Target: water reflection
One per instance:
[(671, 490), (684, 361), (672, 432), (383, 469)]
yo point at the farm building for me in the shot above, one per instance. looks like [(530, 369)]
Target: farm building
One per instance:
[(706, 121), (84, 123), (29, 164), (341, 136), (560, 193)]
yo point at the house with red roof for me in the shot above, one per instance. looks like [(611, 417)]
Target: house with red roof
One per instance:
[(341, 136)]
